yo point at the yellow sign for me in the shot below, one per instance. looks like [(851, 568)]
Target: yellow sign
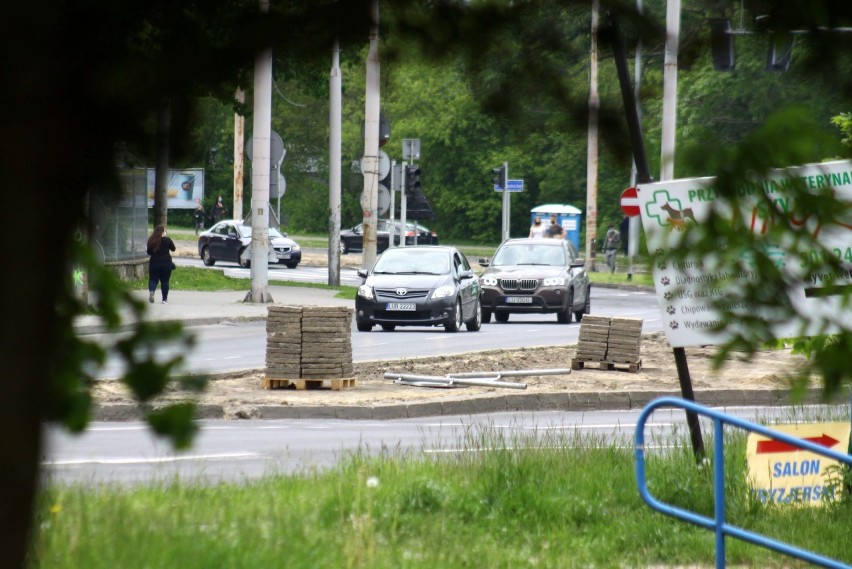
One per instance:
[(781, 473)]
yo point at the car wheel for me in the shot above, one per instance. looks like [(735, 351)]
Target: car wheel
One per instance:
[(244, 263), (388, 327), (475, 323), (291, 265), (486, 316), (344, 248), (501, 316), (206, 258), (564, 317), (364, 326), (456, 322), (587, 307)]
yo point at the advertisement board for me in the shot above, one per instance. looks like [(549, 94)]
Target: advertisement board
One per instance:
[(184, 187), (689, 290)]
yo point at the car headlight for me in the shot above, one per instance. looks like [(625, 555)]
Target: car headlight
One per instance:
[(489, 281), (365, 291), (295, 247), (554, 281), (444, 291)]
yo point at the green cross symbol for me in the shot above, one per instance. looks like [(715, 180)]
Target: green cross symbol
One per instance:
[(78, 277)]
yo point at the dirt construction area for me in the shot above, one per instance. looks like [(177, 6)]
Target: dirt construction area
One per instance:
[(239, 394)]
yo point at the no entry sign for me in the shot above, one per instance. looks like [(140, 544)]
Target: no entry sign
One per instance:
[(630, 202)]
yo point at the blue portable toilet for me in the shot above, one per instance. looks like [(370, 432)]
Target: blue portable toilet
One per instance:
[(567, 215)]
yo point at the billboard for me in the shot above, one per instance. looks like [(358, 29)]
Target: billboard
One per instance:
[(184, 187), (688, 290)]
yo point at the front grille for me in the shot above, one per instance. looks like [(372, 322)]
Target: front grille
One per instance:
[(518, 284), (282, 249), (410, 294)]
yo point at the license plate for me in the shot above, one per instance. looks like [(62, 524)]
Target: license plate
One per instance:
[(518, 300), (401, 306), (283, 255)]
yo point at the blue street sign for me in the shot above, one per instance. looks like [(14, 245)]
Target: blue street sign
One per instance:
[(511, 186)]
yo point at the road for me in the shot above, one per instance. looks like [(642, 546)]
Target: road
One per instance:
[(245, 450), (238, 346)]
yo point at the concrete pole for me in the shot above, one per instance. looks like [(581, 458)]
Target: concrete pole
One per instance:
[(592, 146), (372, 105), (334, 157), (633, 222), (239, 155), (507, 204), (260, 146), (670, 90), (161, 173)]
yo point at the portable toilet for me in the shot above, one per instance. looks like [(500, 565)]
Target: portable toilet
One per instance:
[(567, 216)]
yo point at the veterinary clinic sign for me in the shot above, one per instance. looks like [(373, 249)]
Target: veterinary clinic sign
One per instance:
[(785, 474), (689, 290)]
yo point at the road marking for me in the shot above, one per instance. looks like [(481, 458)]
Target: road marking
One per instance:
[(142, 460)]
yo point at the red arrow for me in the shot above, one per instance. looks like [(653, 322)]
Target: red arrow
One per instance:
[(772, 445)]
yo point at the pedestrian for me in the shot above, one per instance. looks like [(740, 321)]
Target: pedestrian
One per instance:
[(217, 212), (612, 242), (198, 216), (554, 230), (537, 229), (160, 266)]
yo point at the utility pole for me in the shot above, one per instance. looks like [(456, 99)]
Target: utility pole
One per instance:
[(592, 146), (239, 155), (370, 197), (161, 173), (334, 156), (261, 146)]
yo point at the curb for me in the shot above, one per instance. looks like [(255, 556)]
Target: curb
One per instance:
[(513, 403)]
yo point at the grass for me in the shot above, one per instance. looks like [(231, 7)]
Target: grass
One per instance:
[(552, 501)]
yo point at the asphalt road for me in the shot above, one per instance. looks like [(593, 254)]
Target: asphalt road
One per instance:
[(239, 346), (245, 450)]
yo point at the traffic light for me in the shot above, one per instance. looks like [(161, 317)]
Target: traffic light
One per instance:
[(412, 179), (498, 176), (780, 51), (721, 44), (416, 205)]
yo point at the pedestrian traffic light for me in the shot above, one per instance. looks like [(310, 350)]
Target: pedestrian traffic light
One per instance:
[(412, 179), (722, 44), (498, 176)]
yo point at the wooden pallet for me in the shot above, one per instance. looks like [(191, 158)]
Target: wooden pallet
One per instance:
[(335, 384), (632, 367)]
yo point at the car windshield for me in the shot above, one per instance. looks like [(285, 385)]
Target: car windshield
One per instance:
[(408, 261), (245, 231), (529, 254)]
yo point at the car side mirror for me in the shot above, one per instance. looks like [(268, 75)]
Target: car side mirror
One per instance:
[(362, 273), (578, 263), (484, 262), (465, 275)]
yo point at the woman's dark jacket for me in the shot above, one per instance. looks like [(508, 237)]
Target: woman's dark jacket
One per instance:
[(161, 257)]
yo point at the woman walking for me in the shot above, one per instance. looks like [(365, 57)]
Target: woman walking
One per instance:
[(160, 265)]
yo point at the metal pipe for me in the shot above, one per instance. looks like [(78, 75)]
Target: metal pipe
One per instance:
[(512, 373), (455, 381)]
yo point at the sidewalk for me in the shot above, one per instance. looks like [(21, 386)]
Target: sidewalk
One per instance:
[(195, 308)]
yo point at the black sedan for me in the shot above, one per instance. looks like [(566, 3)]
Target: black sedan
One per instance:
[(229, 240), (353, 239), (419, 286), (536, 276)]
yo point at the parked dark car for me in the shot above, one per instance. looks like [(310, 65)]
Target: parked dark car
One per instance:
[(229, 240), (535, 276), (419, 286), (353, 239)]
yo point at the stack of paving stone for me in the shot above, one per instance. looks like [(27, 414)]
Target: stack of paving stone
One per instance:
[(283, 345), (592, 343), (625, 343), (609, 343), (307, 346), (326, 342)]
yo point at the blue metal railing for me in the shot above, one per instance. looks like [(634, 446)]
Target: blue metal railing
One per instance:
[(717, 523)]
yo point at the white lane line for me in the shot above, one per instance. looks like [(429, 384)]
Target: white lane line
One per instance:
[(567, 427), (142, 460)]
